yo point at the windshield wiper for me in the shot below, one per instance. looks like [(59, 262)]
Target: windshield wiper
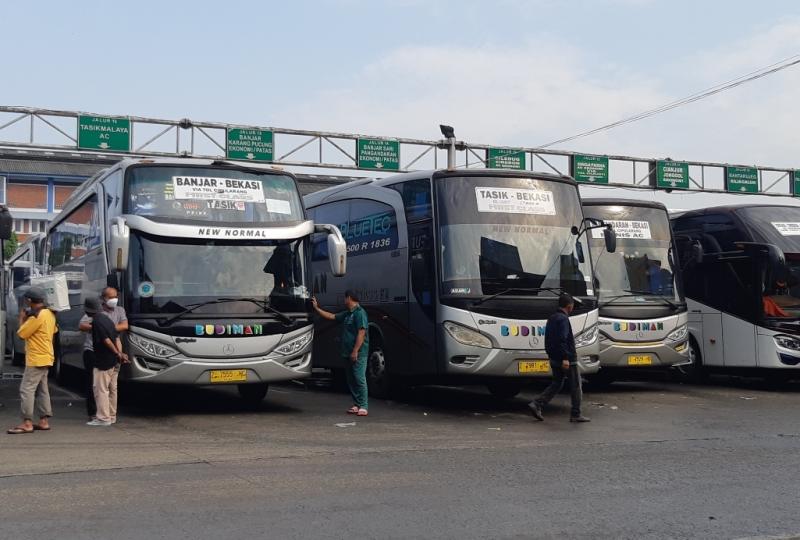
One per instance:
[(555, 290), (259, 302), (631, 293)]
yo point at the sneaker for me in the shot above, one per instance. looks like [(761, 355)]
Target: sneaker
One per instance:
[(579, 419), (536, 411), (98, 422)]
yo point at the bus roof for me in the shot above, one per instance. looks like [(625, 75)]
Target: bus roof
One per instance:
[(727, 209), (319, 197)]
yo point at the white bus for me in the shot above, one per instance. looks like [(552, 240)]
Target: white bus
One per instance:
[(458, 271), (210, 258), (643, 320), (742, 284)]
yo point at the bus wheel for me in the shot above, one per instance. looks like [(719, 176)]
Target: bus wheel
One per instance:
[(505, 389), (58, 371), (378, 379), (253, 394), (17, 358), (694, 372), (599, 381)]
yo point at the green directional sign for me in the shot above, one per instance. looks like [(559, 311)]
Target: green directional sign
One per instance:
[(741, 179), (796, 183), (505, 158), (250, 144), (590, 169), (672, 175), (104, 133), (378, 154)]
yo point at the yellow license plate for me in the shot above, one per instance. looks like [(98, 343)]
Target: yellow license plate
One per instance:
[(640, 360), (229, 375), (534, 366)]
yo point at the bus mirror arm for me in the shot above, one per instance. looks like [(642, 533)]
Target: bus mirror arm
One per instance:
[(589, 224), (337, 248), (119, 243)]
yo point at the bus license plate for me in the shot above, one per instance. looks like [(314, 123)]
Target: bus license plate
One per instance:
[(229, 375), (640, 360), (534, 366)]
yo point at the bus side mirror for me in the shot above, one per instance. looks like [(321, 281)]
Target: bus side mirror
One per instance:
[(611, 239), (579, 252), (119, 244), (337, 255)]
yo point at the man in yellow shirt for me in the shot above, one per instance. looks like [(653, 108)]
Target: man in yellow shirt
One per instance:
[(37, 326)]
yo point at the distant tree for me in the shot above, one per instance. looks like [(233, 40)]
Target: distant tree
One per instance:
[(11, 246)]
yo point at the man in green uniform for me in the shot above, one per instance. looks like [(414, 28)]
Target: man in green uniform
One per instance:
[(355, 346)]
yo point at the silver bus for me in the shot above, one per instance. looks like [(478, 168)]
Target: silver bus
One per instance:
[(742, 282), (458, 271), (210, 258), (643, 319)]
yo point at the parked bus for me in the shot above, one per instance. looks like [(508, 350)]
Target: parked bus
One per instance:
[(24, 264), (210, 258), (742, 283), (458, 271), (643, 320)]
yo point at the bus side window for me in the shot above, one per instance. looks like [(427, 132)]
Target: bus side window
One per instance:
[(416, 199)]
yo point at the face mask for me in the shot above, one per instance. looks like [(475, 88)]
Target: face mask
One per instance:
[(112, 302)]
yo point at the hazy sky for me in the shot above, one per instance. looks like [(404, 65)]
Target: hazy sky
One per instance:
[(510, 72)]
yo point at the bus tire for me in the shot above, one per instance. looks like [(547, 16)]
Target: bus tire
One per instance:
[(505, 389), (599, 381), (695, 372), (58, 371), (253, 394), (379, 382), (17, 358)]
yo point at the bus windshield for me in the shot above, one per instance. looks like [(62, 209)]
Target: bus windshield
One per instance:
[(169, 275), (641, 269), (191, 193), (501, 233)]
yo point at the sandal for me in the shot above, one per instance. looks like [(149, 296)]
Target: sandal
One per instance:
[(352, 410), (19, 430), (362, 412), (36, 427)]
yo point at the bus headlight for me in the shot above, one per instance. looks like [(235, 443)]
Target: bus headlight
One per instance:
[(679, 334), (787, 342), (151, 347), (467, 336), (295, 345), (587, 337)]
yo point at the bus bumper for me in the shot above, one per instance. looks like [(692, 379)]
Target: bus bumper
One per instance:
[(624, 355), (179, 370), (480, 362)]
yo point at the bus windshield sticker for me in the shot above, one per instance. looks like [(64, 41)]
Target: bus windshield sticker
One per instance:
[(787, 228), (277, 206), (146, 289), (515, 201), (638, 230), (219, 189)]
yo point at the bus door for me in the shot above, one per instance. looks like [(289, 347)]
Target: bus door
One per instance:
[(422, 297)]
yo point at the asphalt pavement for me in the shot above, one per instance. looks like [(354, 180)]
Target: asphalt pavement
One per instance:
[(658, 460)]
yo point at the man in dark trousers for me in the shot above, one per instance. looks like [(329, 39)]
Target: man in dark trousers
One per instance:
[(354, 347), (559, 343)]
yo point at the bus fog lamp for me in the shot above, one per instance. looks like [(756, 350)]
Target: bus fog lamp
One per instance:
[(678, 334), (295, 345), (587, 337), (787, 342), (467, 336), (153, 348)]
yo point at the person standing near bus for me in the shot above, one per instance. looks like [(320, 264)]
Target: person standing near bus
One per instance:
[(559, 343), (355, 346), (107, 357), (113, 311), (37, 327), (91, 307)]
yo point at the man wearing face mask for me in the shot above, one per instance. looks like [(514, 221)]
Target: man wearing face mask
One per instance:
[(110, 298)]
